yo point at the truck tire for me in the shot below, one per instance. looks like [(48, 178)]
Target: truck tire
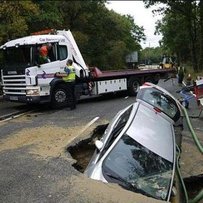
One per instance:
[(153, 79), (133, 85), (60, 96), (149, 79), (157, 78)]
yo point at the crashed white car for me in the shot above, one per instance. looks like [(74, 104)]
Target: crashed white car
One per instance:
[(138, 149)]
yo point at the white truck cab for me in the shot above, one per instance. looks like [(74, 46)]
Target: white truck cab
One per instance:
[(25, 79)]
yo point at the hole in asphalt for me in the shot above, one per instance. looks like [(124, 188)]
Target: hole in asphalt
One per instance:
[(83, 150), (193, 185)]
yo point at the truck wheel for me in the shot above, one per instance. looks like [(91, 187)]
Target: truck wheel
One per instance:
[(133, 85), (59, 98), (149, 79), (156, 79)]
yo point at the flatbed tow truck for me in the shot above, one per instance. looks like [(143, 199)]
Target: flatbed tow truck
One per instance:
[(24, 79)]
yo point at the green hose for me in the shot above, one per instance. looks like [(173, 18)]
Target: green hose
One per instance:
[(197, 198), (199, 146), (194, 136), (179, 174)]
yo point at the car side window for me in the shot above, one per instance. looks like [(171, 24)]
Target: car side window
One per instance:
[(118, 127)]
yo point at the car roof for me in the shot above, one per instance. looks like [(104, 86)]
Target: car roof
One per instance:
[(153, 131)]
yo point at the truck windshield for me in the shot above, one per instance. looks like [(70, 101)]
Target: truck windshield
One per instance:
[(18, 57)]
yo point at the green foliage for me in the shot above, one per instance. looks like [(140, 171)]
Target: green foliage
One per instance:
[(182, 29), (110, 31), (104, 37), (104, 31), (151, 55), (48, 16), (175, 39), (116, 55), (14, 16)]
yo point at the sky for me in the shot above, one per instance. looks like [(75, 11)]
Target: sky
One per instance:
[(142, 17)]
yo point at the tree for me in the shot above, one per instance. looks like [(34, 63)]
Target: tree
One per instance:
[(110, 30), (102, 32), (14, 16), (151, 55), (201, 35), (186, 13), (103, 36), (49, 16), (175, 39)]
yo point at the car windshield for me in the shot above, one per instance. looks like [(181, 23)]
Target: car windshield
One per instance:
[(160, 100), (134, 165)]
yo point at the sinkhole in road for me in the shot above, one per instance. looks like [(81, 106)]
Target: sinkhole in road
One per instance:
[(83, 150), (194, 185)]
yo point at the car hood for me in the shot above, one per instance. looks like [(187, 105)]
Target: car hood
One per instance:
[(153, 131)]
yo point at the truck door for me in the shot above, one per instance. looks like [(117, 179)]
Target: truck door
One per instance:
[(47, 68)]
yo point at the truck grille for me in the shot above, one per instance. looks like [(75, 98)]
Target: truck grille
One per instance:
[(14, 85)]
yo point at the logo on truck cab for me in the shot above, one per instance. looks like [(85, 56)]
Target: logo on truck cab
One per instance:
[(12, 72)]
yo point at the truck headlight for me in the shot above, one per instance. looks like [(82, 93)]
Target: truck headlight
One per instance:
[(32, 92)]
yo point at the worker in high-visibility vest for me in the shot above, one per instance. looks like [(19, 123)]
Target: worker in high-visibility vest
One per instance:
[(70, 80)]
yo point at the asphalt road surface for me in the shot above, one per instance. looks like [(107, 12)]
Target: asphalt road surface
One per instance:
[(35, 165)]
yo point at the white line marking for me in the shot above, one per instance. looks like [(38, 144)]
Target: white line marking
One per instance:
[(15, 116), (11, 114), (90, 123), (85, 128)]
